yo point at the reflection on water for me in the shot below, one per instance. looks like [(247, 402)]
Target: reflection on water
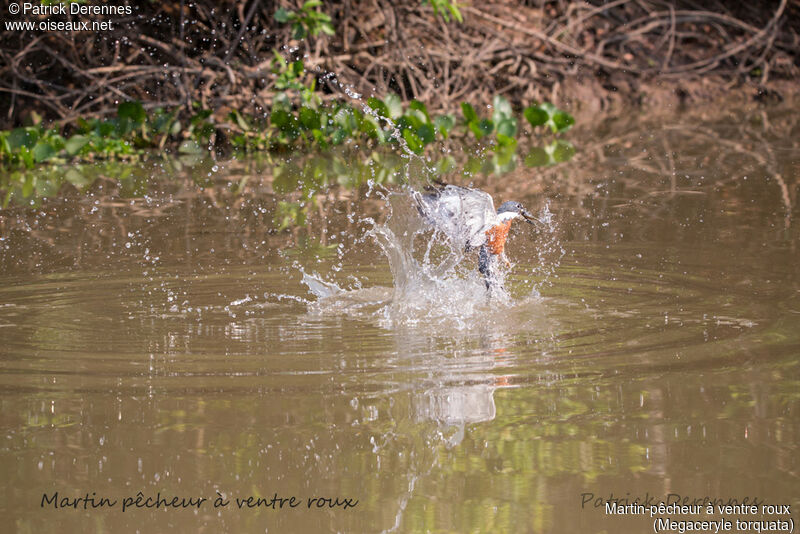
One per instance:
[(234, 326)]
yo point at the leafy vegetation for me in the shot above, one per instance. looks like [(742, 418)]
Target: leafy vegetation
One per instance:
[(446, 9), (298, 118), (309, 20), (301, 177), (124, 136)]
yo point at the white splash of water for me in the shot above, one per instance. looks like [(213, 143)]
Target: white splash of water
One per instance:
[(434, 283), (320, 288)]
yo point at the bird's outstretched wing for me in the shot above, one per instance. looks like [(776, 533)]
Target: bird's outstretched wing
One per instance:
[(460, 213)]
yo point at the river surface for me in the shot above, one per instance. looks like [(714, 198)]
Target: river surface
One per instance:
[(221, 329)]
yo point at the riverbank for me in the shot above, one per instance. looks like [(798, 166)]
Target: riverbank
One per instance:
[(577, 55)]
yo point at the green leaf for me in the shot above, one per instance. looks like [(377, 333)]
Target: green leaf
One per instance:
[(190, 147), (28, 187), (309, 118), (163, 122), (408, 122), (191, 160), (320, 139), (549, 108), (394, 105), (75, 143), (43, 151), (505, 140), (507, 127), (283, 16), (413, 141), (419, 106), (378, 106), (558, 121), (562, 121), (444, 123), (472, 166), (298, 31), (562, 151), (473, 126), (200, 116), (289, 214), (535, 115), (280, 118), (445, 165), (346, 119), (369, 125), (84, 125), (26, 156), (537, 157), (286, 178), (204, 131), (456, 13), (502, 108), (427, 133), (22, 137), (469, 112), (4, 148), (239, 120), (106, 128), (486, 126), (132, 111), (504, 160), (558, 151), (297, 68), (417, 116), (32, 119), (338, 137), (75, 177)]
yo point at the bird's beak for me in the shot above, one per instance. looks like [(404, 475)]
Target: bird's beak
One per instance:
[(528, 217)]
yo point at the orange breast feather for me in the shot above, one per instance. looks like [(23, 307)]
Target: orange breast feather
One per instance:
[(496, 237)]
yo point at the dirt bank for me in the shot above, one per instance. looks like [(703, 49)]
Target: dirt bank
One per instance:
[(583, 55)]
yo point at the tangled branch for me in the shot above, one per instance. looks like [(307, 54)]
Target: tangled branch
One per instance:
[(173, 53)]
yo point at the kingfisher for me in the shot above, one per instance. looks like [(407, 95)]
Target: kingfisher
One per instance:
[(468, 218)]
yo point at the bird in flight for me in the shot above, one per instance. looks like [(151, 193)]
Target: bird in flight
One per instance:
[(468, 218)]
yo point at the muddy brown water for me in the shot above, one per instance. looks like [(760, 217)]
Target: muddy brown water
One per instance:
[(157, 338)]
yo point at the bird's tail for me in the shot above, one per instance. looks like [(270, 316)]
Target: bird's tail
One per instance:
[(436, 186), (424, 201)]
